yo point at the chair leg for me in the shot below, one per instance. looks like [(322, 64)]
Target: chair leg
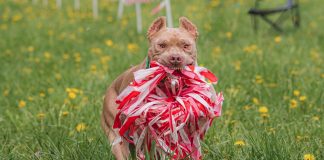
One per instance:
[(274, 25), (296, 16), (281, 18), (254, 23)]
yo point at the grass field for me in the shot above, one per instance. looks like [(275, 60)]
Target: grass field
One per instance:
[(55, 66)]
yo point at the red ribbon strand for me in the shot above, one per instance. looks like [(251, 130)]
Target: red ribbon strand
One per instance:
[(171, 109)]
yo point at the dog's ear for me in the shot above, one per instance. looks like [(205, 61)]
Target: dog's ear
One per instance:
[(186, 24), (156, 26)]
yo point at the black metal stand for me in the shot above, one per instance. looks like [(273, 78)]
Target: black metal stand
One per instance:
[(291, 5)]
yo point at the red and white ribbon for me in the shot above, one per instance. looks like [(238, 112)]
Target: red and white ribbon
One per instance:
[(158, 8), (171, 109)]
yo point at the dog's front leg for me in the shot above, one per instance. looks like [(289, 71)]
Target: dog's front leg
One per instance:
[(120, 150)]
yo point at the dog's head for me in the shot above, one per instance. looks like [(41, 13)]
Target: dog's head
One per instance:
[(173, 47)]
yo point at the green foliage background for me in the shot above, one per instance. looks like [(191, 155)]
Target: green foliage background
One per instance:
[(45, 51)]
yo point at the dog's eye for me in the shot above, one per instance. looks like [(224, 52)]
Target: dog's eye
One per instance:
[(162, 45), (186, 46)]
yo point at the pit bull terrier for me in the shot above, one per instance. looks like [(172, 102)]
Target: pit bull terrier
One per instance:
[(172, 47)]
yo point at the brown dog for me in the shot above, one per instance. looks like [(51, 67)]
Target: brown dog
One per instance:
[(171, 47)]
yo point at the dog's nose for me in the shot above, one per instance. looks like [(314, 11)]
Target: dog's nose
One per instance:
[(175, 59)]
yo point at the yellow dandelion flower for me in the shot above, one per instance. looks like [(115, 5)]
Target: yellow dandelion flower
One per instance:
[(258, 79), (105, 59), (263, 109), (36, 60), (247, 107), (214, 3), (75, 90), (39, 25), (85, 99), (58, 76), (254, 47), (216, 52), (66, 101), (272, 85), (315, 118), (93, 68), (66, 56), (109, 43), (81, 29), (293, 103), (27, 70), (30, 98), (313, 24), (302, 98), (50, 32), (272, 130), (264, 115), (109, 18), (309, 156), (315, 55), (246, 49), (72, 95), (80, 127), (65, 113), (295, 72), (3, 26), (47, 55), (255, 101), (299, 138), (296, 93), (124, 22), (50, 90), (277, 39), (132, 47), (41, 115), (96, 50), (77, 57), (239, 143), (207, 27), (29, 10), (21, 104), (105, 67), (229, 35), (68, 90), (237, 65), (6, 92), (16, 18), (30, 49), (42, 94)]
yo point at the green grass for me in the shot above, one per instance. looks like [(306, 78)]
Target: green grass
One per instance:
[(44, 51)]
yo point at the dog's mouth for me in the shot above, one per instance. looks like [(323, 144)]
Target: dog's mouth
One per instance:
[(175, 66), (178, 67)]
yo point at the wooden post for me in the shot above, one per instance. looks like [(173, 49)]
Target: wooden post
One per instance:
[(95, 8), (138, 17)]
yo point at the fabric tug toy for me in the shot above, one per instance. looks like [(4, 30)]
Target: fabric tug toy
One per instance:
[(166, 112)]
